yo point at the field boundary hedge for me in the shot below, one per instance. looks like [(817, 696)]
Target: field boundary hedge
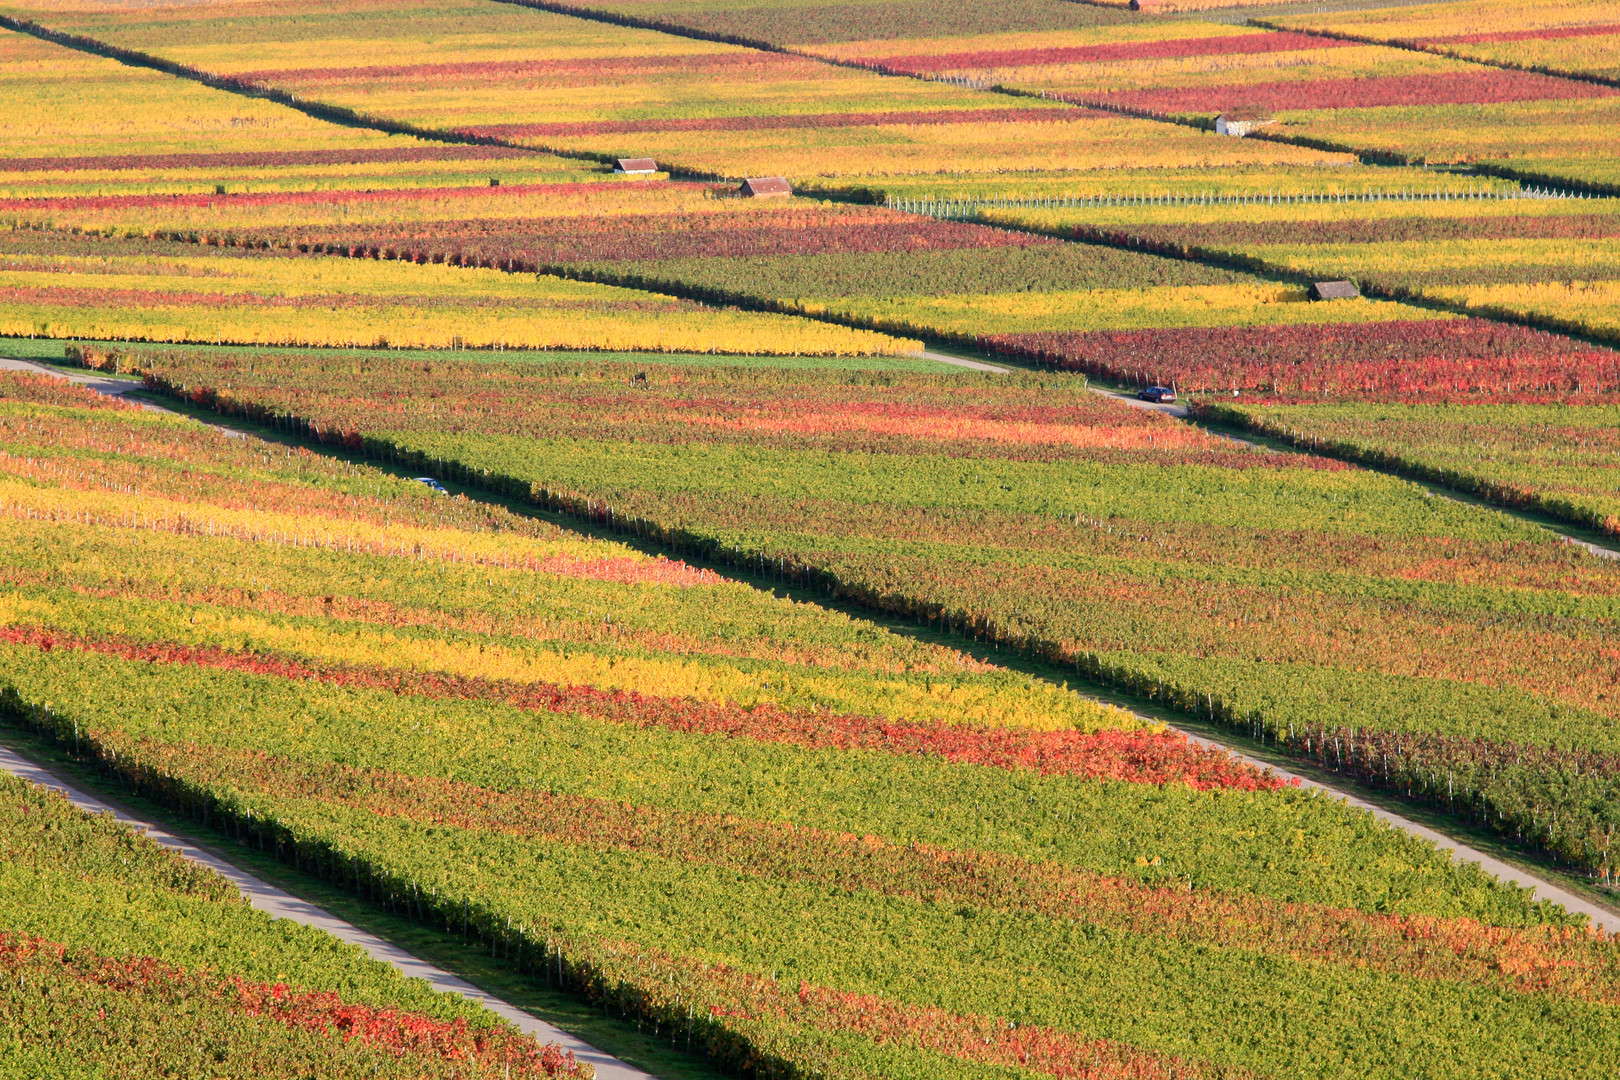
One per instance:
[(1503, 495)]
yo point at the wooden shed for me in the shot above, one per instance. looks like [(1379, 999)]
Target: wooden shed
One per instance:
[(1240, 122), (1334, 290), (636, 166), (761, 187)]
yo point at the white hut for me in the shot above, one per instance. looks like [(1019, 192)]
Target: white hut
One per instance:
[(1239, 123)]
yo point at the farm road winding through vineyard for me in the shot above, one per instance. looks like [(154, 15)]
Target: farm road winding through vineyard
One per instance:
[(284, 905), (1460, 852), (958, 361), (1178, 412), (110, 387)]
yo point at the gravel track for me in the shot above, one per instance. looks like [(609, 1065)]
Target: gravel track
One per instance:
[(284, 905)]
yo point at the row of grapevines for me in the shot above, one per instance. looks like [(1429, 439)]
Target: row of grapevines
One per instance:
[(1566, 36), (684, 917), (1556, 459), (1543, 264), (870, 268), (203, 297), (790, 888), (1330, 91), (586, 88), (120, 955), (1398, 613), (532, 601)]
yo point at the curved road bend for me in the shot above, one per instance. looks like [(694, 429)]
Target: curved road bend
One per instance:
[(1460, 852), (110, 387), (284, 905)]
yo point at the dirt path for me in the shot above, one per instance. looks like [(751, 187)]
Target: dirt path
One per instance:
[(961, 361), (284, 905), (1179, 412), (110, 387)]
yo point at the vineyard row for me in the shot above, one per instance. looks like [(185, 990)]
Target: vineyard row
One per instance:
[(1516, 791)]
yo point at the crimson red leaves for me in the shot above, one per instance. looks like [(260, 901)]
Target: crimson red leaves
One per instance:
[(26, 386), (804, 22), (780, 122), (1134, 757), (65, 296), (1453, 359), (572, 71), (1225, 45), (540, 242), (1458, 88)]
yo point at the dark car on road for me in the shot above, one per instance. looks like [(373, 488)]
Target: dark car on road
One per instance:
[(1157, 394)]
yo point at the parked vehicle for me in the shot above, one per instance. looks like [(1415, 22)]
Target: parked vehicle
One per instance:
[(1158, 394), (432, 483)]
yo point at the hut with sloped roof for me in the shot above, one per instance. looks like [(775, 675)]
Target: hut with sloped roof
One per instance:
[(762, 187), (1333, 290)]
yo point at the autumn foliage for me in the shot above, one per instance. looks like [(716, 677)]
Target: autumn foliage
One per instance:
[(150, 984)]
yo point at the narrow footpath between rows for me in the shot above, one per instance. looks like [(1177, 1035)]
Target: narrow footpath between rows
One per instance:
[(1179, 412), (1460, 852), (283, 905)]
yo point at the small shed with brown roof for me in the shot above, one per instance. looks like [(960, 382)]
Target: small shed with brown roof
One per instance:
[(1334, 290), (636, 166), (1240, 122), (760, 187)]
